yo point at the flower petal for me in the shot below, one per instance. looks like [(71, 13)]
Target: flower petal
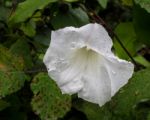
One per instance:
[(63, 43), (119, 72), (97, 84), (103, 77), (96, 37), (80, 61)]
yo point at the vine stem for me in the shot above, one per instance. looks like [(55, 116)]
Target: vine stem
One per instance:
[(99, 20), (14, 6)]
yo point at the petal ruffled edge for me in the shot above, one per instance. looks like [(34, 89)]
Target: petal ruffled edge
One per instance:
[(120, 71), (97, 84), (63, 43), (96, 37)]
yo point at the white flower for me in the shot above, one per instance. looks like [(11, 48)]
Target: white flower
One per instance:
[(80, 61)]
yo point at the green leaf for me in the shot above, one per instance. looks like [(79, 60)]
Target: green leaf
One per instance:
[(103, 3), (11, 78), (71, 0), (148, 117), (16, 109), (48, 102), (9, 60), (11, 82), (43, 37), (144, 4), (93, 111), (127, 2), (141, 23), (123, 104), (3, 104), (29, 28), (4, 13), (141, 60), (74, 17), (42, 41), (142, 110), (21, 49), (127, 38), (26, 9)]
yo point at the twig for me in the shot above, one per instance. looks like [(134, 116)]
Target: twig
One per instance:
[(14, 6)]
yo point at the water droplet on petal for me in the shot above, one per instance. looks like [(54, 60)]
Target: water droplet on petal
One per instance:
[(51, 69), (113, 72), (73, 45)]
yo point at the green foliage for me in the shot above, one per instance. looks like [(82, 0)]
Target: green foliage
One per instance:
[(42, 38), (71, 0), (14, 109), (103, 3), (10, 81), (74, 17), (29, 28), (144, 4), (48, 101), (134, 92), (142, 25), (93, 111), (9, 61), (3, 104), (21, 49), (125, 105), (127, 2), (141, 60), (26, 9), (148, 117), (4, 13), (128, 39)]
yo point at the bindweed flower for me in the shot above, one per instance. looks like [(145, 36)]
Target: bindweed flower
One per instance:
[(80, 60)]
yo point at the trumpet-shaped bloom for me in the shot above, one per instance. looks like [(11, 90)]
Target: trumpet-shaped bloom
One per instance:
[(80, 60)]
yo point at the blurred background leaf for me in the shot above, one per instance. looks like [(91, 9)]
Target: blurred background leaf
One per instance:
[(103, 3), (29, 28), (4, 12), (71, 0), (3, 104), (144, 4), (126, 33), (135, 91), (26, 9), (48, 102), (11, 77), (21, 48), (141, 23), (127, 2), (73, 17), (123, 105)]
